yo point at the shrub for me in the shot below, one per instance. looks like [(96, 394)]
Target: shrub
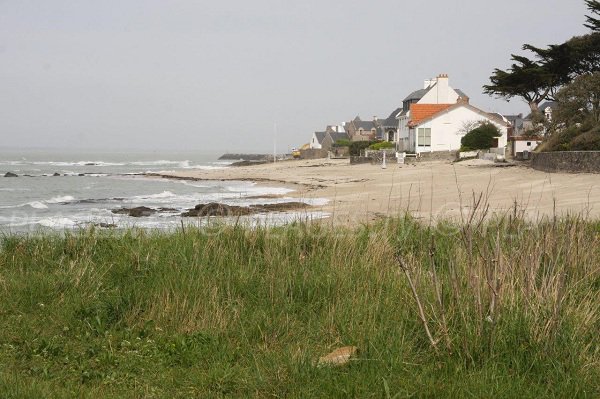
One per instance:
[(480, 138), (382, 145), (357, 146), (342, 143)]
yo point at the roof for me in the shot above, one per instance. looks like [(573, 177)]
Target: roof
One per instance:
[(391, 120), (546, 104), (417, 94), (320, 136), (460, 93), (450, 107), (420, 112), (338, 136), (365, 125)]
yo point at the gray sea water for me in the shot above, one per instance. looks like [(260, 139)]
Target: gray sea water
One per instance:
[(67, 190)]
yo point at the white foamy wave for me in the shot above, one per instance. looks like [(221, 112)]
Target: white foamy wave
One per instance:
[(160, 163), (163, 195), (37, 205), (253, 190), (32, 204), (77, 163), (58, 222), (59, 200)]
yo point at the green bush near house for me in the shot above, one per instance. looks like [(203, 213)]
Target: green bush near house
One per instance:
[(382, 145), (480, 138), (356, 147), (342, 143)]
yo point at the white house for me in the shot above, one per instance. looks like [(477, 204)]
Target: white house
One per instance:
[(316, 142), (439, 118)]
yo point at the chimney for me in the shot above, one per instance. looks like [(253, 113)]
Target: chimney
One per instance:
[(442, 89), (463, 100)]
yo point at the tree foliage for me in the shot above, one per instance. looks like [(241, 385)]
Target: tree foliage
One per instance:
[(541, 75), (576, 121), (481, 138)]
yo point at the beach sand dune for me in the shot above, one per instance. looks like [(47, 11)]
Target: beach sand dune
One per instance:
[(429, 190)]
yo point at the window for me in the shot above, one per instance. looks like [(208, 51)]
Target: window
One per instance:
[(424, 138), (529, 144)]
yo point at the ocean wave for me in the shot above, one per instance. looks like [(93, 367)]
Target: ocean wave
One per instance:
[(163, 195), (58, 222), (60, 199), (32, 204)]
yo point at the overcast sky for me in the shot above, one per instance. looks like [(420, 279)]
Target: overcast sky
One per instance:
[(218, 75)]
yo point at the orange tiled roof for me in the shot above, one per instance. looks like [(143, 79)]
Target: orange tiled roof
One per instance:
[(420, 112)]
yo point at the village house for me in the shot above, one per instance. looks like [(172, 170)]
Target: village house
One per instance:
[(387, 129), (359, 130), (436, 117), (326, 140)]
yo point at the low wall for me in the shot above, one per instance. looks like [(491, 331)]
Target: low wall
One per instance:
[(313, 153), (437, 156), (567, 161)]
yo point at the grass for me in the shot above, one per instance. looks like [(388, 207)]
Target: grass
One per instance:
[(511, 308)]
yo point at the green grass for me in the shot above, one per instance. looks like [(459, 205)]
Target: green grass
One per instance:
[(235, 312)]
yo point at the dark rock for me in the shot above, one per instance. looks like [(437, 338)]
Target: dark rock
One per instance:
[(217, 209), (56, 174), (248, 163), (107, 225), (135, 212), (245, 157), (11, 174), (168, 210)]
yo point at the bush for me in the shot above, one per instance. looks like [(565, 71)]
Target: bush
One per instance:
[(480, 138), (356, 147), (342, 143), (574, 138), (382, 145)]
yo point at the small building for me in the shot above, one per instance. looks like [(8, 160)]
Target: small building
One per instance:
[(316, 142), (519, 144)]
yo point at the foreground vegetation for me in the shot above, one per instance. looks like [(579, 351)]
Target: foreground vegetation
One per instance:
[(503, 308)]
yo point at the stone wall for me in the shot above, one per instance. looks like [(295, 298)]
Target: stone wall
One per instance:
[(313, 153), (437, 156), (567, 161)]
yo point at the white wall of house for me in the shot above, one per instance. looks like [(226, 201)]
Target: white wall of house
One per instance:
[(526, 145), (447, 129), (402, 135), (314, 143)]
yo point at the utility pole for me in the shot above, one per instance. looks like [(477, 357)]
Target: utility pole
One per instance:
[(275, 142)]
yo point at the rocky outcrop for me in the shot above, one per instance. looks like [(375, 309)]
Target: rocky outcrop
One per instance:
[(218, 209), (248, 163), (10, 174), (245, 157), (136, 212)]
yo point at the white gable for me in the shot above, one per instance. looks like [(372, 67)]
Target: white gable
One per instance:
[(440, 93)]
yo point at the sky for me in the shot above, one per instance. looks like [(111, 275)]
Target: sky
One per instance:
[(239, 75)]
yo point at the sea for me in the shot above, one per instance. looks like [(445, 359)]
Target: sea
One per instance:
[(61, 190)]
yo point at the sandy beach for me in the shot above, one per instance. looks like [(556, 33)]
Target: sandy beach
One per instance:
[(428, 190)]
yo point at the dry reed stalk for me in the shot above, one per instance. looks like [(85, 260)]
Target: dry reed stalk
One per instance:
[(417, 299)]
